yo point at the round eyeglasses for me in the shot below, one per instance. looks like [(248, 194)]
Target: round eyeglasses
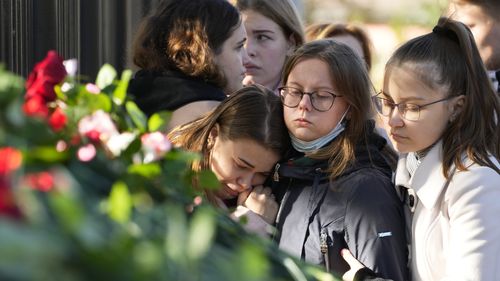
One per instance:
[(320, 100), (408, 111)]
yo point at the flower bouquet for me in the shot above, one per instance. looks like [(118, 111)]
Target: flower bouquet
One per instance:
[(90, 189)]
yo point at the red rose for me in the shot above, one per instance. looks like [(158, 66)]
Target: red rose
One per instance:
[(57, 120), (45, 76), (36, 106), (43, 181), (10, 160)]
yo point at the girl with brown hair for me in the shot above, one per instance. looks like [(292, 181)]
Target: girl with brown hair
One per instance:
[(191, 54), (240, 142), (442, 116), (335, 189)]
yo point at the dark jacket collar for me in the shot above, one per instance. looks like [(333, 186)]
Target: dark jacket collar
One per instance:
[(169, 90)]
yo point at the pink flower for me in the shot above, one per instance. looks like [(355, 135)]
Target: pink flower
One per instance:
[(97, 126), (86, 153), (92, 88), (154, 145)]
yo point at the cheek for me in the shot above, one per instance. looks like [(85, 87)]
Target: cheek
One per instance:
[(288, 115), (221, 167)]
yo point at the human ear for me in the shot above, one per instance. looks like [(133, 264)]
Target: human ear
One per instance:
[(214, 132), (456, 106), (291, 44)]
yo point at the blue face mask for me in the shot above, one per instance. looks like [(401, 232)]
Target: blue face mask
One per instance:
[(309, 146)]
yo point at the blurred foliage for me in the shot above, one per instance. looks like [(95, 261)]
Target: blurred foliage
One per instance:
[(114, 216)]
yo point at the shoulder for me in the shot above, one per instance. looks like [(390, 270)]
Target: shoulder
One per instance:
[(477, 183), (190, 112)]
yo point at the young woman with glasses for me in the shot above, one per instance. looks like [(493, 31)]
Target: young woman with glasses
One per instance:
[(442, 116), (335, 190)]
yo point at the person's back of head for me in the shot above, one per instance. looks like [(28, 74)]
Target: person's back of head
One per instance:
[(448, 58), (184, 35), (282, 12), (343, 33)]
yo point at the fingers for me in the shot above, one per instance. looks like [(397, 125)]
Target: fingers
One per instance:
[(354, 264), (243, 196)]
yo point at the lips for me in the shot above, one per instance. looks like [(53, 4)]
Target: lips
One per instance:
[(251, 69), (302, 122), (397, 137), (230, 192)]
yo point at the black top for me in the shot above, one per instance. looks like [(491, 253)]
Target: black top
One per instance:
[(359, 210), (154, 92)]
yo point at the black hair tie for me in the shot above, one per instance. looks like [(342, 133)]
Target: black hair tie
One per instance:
[(445, 32)]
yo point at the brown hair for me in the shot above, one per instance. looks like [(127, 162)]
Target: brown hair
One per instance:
[(452, 54), (282, 12), (490, 7), (329, 30), (253, 113), (351, 80), (185, 35)]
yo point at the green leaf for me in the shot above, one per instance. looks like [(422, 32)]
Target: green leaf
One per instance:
[(138, 117), (121, 91), (47, 154), (201, 233), (159, 121), (93, 102), (120, 202), (182, 156), (149, 171), (208, 180), (69, 211), (107, 74)]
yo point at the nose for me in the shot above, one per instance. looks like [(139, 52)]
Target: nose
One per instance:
[(249, 47), (244, 181), (245, 57), (305, 103), (395, 119)]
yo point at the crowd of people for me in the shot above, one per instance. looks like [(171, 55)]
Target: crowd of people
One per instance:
[(284, 117)]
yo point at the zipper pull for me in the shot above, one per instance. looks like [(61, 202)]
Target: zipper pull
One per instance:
[(276, 176), (323, 241)]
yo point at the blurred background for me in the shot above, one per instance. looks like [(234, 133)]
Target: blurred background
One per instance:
[(101, 31)]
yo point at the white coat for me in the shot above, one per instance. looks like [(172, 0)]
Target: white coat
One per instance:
[(456, 224)]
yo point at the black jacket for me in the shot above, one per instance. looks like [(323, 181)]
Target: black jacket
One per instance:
[(154, 92), (359, 210)]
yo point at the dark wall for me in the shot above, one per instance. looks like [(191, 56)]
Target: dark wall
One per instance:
[(93, 31)]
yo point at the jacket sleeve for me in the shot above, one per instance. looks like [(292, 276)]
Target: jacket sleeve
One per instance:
[(375, 226), (473, 208)]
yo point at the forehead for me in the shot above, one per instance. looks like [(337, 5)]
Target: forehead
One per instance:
[(257, 21), (254, 153), (413, 79), (467, 12)]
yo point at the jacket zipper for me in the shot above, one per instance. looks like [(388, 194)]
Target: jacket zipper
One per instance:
[(324, 248), (276, 175)]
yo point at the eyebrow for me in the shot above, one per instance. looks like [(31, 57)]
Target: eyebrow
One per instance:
[(262, 31), (246, 162), (405, 99)]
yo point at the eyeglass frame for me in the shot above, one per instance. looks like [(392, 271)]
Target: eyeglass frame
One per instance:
[(405, 109), (302, 93)]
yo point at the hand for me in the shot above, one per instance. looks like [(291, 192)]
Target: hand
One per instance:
[(353, 263), (261, 201)]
